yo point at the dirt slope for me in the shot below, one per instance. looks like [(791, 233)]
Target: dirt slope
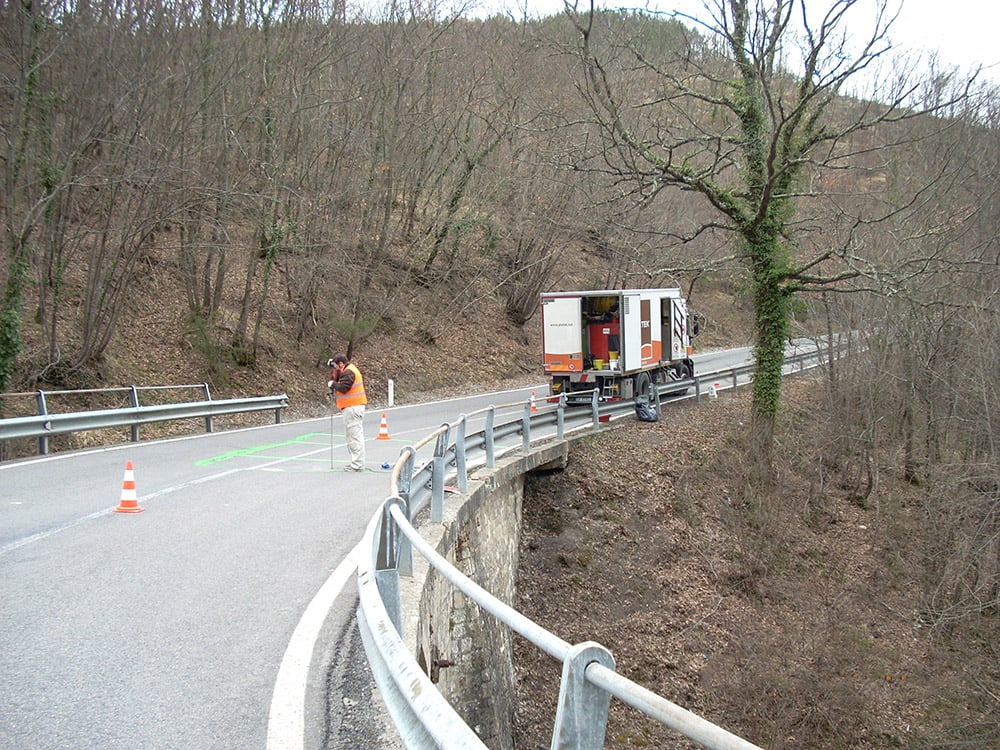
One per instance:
[(806, 636)]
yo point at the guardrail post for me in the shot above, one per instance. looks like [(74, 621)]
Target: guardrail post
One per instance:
[(526, 428), (561, 417), (43, 441), (582, 712), (595, 412), (488, 444), (735, 380), (460, 464), (208, 397), (134, 398), (405, 482), (387, 563), (697, 390), (437, 476)]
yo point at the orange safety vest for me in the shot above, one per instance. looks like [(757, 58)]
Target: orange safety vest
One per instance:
[(356, 396)]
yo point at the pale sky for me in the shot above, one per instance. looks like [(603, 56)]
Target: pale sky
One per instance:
[(964, 33)]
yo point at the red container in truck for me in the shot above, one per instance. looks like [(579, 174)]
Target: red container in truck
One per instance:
[(604, 338)]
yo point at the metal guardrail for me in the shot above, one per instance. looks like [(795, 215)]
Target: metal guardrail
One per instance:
[(421, 714), (45, 424)]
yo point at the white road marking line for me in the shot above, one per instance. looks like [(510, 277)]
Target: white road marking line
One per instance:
[(43, 534), (286, 719), (11, 546)]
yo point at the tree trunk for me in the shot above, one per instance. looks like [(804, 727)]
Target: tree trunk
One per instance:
[(10, 313), (19, 226), (771, 324)]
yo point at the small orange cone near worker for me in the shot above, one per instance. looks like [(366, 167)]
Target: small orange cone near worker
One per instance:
[(129, 503), (383, 430)]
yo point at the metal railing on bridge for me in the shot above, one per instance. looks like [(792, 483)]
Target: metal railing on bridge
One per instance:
[(423, 717)]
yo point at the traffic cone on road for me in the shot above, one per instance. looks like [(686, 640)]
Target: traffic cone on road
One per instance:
[(534, 406), (383, 430), (128, 503)]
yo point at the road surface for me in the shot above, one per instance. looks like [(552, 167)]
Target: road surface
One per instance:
[(222, 607)]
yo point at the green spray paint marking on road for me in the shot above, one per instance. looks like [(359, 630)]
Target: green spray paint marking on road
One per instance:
[(256, 451)]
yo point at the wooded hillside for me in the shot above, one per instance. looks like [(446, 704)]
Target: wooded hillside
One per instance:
[(286, 174), (230, 192), (285, 178)]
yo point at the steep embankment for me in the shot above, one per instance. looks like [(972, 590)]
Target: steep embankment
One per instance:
[(792, 619)]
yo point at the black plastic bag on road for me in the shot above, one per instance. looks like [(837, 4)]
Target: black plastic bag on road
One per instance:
[(644, 411)]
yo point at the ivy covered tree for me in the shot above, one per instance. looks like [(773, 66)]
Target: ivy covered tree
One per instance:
[(750, 112)]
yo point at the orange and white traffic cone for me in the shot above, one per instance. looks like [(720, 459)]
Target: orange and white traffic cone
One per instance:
[(128, 503), (534, 406), (383, 429)]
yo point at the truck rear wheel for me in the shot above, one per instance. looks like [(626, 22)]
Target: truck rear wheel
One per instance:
[(642, 387)]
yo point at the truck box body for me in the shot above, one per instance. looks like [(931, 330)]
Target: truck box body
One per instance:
[(606, 338)]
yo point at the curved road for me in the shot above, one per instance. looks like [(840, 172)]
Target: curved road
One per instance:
[(167, 628)]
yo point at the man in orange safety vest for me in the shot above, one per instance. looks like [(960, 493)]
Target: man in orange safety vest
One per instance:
[(346, 383)]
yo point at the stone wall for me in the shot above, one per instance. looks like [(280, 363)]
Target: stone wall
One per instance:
[(466, 651)]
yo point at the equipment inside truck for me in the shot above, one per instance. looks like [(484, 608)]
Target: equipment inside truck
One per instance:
[(603, 341)]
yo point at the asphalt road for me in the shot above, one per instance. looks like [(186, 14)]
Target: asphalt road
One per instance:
[(182, 626), (166, 628)]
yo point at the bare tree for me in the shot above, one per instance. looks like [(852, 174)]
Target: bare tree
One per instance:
[(742, 123), (83, 187), (29, 172)]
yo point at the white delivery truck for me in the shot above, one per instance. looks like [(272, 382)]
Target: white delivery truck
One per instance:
[(618, 342)]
